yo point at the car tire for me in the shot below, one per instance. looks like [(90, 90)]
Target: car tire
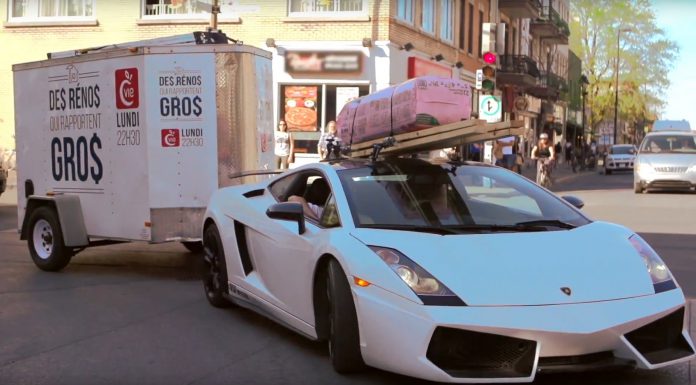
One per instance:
[(638, 188), (195, 247), (607, 171), (344, 337), (215, 272), (46, 245)]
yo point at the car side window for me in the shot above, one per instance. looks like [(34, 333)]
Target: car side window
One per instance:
[(281, 189), (329, 217)]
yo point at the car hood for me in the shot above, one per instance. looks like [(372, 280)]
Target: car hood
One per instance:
[(670, 159), (594, 262)]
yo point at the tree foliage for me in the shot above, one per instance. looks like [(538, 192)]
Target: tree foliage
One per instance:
[(645, 53)]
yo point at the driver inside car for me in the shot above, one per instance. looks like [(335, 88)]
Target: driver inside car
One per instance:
[(314, 199)]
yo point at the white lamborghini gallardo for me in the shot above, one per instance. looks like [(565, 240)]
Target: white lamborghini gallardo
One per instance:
[(452, 272)]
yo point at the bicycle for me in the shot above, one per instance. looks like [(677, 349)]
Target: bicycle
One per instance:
[(544, 173)]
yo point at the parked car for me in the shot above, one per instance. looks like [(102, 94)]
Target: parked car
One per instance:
[(619, 157), (442, 271), (666, 160)]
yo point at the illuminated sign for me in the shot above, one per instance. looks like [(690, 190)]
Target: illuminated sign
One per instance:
[(298, 62)]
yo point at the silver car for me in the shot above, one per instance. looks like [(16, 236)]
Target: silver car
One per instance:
[(619, 157), (666, 160)]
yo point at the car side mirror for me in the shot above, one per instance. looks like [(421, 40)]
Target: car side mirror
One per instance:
[(573, 200), (288, 211)]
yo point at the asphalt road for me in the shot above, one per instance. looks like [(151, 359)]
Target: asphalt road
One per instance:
[(136, 314)]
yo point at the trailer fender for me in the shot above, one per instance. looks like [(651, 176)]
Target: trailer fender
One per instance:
[(70, 216)]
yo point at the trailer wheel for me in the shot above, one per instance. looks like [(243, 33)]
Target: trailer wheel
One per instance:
[(46, 246), (195, 247)]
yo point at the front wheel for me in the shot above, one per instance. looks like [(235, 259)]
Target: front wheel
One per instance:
[(344, 338), (195, 247), (46, 246), (638, 188), (215, 273), (607, 171)]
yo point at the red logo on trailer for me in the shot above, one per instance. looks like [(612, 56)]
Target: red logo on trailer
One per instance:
[(127, 88), (170, 137)]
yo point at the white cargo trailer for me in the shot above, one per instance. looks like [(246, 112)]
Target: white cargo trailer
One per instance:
[(127, 142)]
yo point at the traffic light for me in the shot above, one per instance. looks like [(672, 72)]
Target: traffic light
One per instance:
[(489, 72)]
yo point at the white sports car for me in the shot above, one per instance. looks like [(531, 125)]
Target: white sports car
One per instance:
[(452, 272)]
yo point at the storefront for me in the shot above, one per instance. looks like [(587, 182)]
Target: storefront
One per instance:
[(311, 87)]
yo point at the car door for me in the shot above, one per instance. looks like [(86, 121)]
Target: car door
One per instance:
[(284, 259)]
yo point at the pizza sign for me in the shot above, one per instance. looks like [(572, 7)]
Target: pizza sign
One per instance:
[(301, 107)]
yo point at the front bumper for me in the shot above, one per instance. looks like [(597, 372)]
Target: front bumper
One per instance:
[(512, 343), (618, 164), (680, 179)]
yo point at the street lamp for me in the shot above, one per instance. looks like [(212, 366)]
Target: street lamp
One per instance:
[(583, 87), (616, 90)]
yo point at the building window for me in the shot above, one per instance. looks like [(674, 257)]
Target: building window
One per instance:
[(447, 20), (404, 10), (51, 10), (470, 42), (462, 23), (328, 8), (428, 16), (480, 50), (184, 9)]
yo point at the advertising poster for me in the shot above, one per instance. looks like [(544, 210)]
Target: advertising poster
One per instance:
[(345, 95), (301, 108)]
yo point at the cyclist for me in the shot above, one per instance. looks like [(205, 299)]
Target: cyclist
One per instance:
[(544, 154)]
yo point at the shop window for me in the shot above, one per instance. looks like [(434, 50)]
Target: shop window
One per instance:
[(51, 10), (328, 8), (404, 10), (428, 16), (185, 9), (304, 106)]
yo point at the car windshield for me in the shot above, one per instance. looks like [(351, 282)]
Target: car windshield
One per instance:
[(622, 150), (669, 144), (415, 195)]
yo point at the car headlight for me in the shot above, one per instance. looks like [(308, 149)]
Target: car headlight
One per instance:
[(424, 285), (692, 168), (659, 273), (643, 167)]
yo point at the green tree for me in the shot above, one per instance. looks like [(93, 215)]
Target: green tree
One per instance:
[(646, 56)]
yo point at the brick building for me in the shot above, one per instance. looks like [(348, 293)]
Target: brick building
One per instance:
[(324, 51)]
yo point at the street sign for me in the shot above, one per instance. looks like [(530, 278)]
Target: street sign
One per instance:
[(490, 108), (479, 78)]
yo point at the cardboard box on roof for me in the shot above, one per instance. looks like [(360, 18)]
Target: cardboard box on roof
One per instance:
[(416, 104)]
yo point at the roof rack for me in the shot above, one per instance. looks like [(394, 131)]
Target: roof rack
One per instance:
[(438, 137)]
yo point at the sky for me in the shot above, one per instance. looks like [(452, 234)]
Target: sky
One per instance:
[(676, 18)]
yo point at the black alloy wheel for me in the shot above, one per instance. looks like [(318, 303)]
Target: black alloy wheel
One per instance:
[(215, 273)]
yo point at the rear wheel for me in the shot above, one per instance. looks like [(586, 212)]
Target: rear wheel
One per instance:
[(215, 272), (344, 338), (46, 246)]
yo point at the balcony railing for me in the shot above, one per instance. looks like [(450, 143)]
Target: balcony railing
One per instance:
[(322, 6), (552, 81), (550, 23), (523, 9), (519, 64)]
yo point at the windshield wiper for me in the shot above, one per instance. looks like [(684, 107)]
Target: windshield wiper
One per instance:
[(494, 228), (547, 222), (418, 228)]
